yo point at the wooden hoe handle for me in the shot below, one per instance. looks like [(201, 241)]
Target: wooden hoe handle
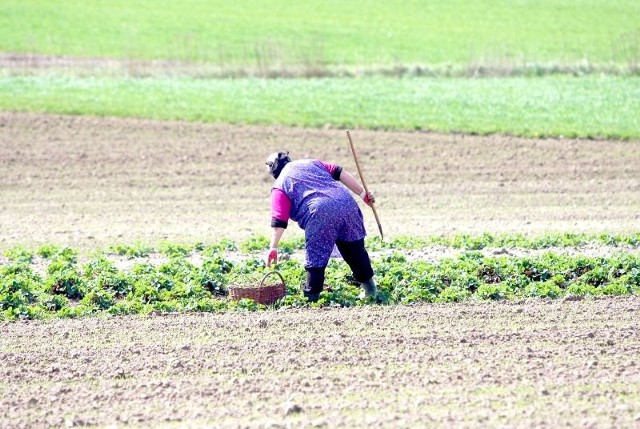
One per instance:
[(364, 184)]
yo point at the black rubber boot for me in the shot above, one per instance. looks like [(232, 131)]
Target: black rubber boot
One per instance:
[(315, 281), (370, 290), (311, 297)]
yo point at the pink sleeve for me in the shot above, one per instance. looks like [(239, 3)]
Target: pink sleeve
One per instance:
[(280, 205), (331, 168)]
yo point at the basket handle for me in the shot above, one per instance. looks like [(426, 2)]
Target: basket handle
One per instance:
[(270, 273)]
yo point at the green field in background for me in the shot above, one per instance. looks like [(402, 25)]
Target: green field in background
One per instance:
[(269, 33), (591, 35), (591, 106)]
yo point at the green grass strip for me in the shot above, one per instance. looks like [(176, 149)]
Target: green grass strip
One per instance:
[(318, 32), (591, 106)]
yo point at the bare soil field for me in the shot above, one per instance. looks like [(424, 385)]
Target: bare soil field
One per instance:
[(520, 364), (93, 182)]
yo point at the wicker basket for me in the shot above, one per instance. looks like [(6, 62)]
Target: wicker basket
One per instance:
[(262, 294)]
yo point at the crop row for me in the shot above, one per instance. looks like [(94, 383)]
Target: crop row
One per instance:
[(52, 282), (461, 241)]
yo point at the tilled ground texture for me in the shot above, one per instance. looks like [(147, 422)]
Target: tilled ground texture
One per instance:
[(95, 182), (518, 364)]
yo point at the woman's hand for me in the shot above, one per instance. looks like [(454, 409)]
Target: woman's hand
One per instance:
[(272, 257), (369, 199)]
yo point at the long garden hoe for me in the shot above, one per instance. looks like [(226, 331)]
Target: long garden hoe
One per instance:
[(364, 184)]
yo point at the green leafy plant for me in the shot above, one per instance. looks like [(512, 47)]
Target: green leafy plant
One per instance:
[(174, 250), (255, 244), (219, 248), (67, 288), (136, 250), (19, 255)]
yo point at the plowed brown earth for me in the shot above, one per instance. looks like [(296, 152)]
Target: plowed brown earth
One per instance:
[(525, 364), (94, 182), (91, 183)]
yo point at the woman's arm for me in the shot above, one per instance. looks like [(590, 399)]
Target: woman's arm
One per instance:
[(276, 235), (280, 210), (352, 183), (338, 173)]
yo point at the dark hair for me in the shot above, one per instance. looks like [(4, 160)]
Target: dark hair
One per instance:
[(276, 162)]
